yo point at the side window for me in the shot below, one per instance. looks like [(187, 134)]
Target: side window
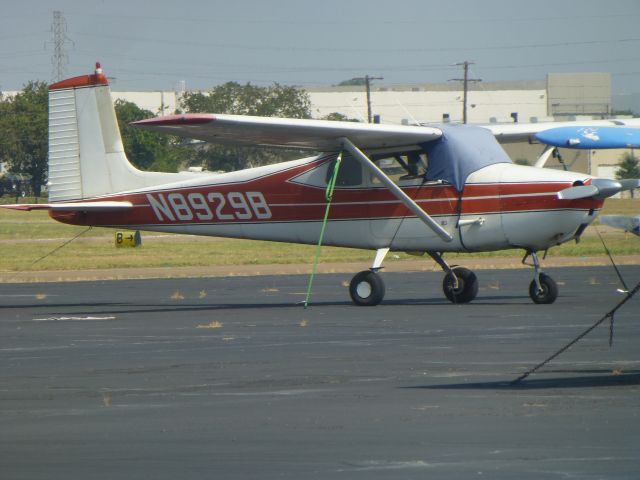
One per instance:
[(350, 173), (402, 168)]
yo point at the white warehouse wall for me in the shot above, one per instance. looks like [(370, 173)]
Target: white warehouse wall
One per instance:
[(429, 106), (159, 103)]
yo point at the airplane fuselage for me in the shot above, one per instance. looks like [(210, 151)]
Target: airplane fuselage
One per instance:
[(501, 206)]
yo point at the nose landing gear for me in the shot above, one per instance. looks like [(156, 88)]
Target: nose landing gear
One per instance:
[(542, 289)]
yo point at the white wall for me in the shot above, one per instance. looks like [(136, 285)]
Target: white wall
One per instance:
[(152, 101), (428, 107), (396, 106)]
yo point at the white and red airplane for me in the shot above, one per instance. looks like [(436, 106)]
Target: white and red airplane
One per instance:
[(424, 189)]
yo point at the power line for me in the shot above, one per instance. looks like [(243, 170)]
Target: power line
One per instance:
[(342, 21), (346, 49)]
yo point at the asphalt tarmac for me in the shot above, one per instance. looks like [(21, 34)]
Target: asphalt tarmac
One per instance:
[(231, 378)]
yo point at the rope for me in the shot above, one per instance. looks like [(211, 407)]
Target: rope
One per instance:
[(328, 196), (609, 316), (61, 246), (626, 289), (12, 277)]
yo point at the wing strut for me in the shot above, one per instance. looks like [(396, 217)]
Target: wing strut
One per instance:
[(393, 188), (544, 157)]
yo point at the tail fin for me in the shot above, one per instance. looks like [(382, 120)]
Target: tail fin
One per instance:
[(86, 155)]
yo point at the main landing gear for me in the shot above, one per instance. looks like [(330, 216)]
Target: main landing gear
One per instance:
[(367, 288), (460, 285)]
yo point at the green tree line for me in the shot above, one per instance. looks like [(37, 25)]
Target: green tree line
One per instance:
[(23, 133), (24, 130)]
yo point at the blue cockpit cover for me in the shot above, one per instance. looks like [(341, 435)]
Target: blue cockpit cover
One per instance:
[(462, 150)]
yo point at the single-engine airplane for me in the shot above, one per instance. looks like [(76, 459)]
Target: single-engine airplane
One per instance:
[(418, 189)]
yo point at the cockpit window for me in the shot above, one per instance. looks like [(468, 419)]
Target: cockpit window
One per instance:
[(402, 168), (350, 173)]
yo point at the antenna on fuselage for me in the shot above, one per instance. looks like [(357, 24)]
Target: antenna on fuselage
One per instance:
[(406, 110)]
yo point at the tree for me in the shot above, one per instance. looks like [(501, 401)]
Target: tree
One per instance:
[(24, 133), (357, 81), (629, 167), (236, 99), (628, 112), (233, 98), (146, 150), (339, 117)]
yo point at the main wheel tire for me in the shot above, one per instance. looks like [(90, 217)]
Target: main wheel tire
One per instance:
[(366, 289), (467, 286), (548, 292)]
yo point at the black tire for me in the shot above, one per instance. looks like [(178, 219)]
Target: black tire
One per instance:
[(366, 289), (467, 286), (549, 291)]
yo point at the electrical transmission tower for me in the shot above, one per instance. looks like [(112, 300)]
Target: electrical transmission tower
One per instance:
[(59, 40)]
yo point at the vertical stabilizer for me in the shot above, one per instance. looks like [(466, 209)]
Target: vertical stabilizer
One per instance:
[(86, 155)]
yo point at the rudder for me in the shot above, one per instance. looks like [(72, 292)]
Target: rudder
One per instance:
[(86, 154)]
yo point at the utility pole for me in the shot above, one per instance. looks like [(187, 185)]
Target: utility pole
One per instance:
[(59, 39), (367, 81), (465, 82)]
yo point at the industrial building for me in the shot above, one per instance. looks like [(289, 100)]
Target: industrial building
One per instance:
[(435, 103), (559, 97)]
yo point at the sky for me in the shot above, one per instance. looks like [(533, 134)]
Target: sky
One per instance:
[(154, 45)]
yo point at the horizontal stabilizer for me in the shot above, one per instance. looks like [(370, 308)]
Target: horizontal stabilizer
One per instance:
[(589, 137), (72, 206)]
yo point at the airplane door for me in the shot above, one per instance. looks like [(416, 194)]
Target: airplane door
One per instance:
[(391, 224), (349, 200)]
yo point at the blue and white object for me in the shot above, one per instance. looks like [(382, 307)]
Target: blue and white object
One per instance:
[(583, 137), (628, 224)]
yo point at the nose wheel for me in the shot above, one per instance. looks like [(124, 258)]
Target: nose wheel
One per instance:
[(545, 291), (542, 289)]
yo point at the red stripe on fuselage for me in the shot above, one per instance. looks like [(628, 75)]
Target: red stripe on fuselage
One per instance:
[(289, 202)]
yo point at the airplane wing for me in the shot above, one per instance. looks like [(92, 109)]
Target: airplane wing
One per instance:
[(324, 135), (522, 132), (71, 206), (587, 138), (319, 135), (304, 134)]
